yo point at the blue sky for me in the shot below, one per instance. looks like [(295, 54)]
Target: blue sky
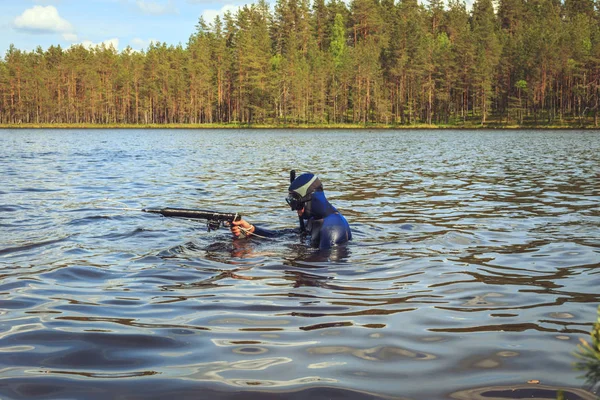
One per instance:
[(31, 23)]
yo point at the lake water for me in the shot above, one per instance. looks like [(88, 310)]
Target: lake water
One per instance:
[(475, 265)]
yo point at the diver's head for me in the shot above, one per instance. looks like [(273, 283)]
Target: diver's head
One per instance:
[(301, 191)]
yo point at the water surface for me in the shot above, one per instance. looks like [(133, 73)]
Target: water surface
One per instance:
[(475, 265)]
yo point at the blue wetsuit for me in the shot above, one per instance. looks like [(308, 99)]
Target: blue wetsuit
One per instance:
[(324, 223), (326, 226)]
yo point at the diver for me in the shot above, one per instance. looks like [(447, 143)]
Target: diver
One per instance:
[(324, 224)]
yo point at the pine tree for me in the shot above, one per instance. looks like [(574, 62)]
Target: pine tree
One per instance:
[(319, 24), (253, 64), (220, 60), (200, 75), (487, 55), (436, 13), (510, 69), (411, 56), (4, 82), (544, 44), (574, 7), (463, 55), (339, 53)]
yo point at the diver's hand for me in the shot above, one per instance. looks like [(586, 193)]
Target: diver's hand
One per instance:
[(241, 228)]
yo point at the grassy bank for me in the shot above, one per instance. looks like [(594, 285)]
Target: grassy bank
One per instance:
[(462, 125)]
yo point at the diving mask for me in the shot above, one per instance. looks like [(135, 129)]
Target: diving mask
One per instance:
[(295, 201)]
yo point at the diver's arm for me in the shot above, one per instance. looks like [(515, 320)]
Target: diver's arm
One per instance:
[(262, 232), (245, 229)]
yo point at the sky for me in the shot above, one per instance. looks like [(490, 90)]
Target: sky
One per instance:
[(136, 23)]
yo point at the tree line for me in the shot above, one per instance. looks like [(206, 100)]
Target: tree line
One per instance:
[(302, 62)]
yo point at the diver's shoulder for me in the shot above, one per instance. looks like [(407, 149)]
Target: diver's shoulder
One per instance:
[(335, 219)]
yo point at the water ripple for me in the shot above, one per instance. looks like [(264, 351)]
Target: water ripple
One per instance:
[(475, 260)]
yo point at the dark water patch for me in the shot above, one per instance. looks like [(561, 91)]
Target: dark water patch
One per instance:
[(55, 338), (123, 302), (163, 274), (75, 273), (94, 208), (30, 246), (327, 325), (12, 286), (508, 328), (100, 375), (36, 190), (108, 322), (149, 259), (137, 232), (20, 303), (78, 251), (89, 220), (522, 392), (11, 207), (138, 388), (82, 358), (192, 248)]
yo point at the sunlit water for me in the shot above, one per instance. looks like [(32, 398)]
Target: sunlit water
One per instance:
[(475, 265)]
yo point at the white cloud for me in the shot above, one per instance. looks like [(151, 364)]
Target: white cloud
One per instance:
[(156, 8), (40, 19), (110, 42), (70, 37), (209, 15), (140, 44), (469, 4)]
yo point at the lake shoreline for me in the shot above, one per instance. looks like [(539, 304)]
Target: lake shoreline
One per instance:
[(491, 126)]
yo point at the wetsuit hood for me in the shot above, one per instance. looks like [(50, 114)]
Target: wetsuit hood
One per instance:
[(308, 191), (318, 207), (304, 185)]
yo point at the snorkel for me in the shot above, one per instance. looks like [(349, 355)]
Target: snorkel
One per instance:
[(292, 202)]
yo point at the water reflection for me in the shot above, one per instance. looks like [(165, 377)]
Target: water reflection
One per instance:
[(475, 261), (522, 392)]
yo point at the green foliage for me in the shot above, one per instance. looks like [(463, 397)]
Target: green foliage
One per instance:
[(589, 355), (376, 61), (487, 53), (338, 40), (522, 85)]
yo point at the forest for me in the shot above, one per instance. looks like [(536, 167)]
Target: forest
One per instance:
[(394, 63)]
